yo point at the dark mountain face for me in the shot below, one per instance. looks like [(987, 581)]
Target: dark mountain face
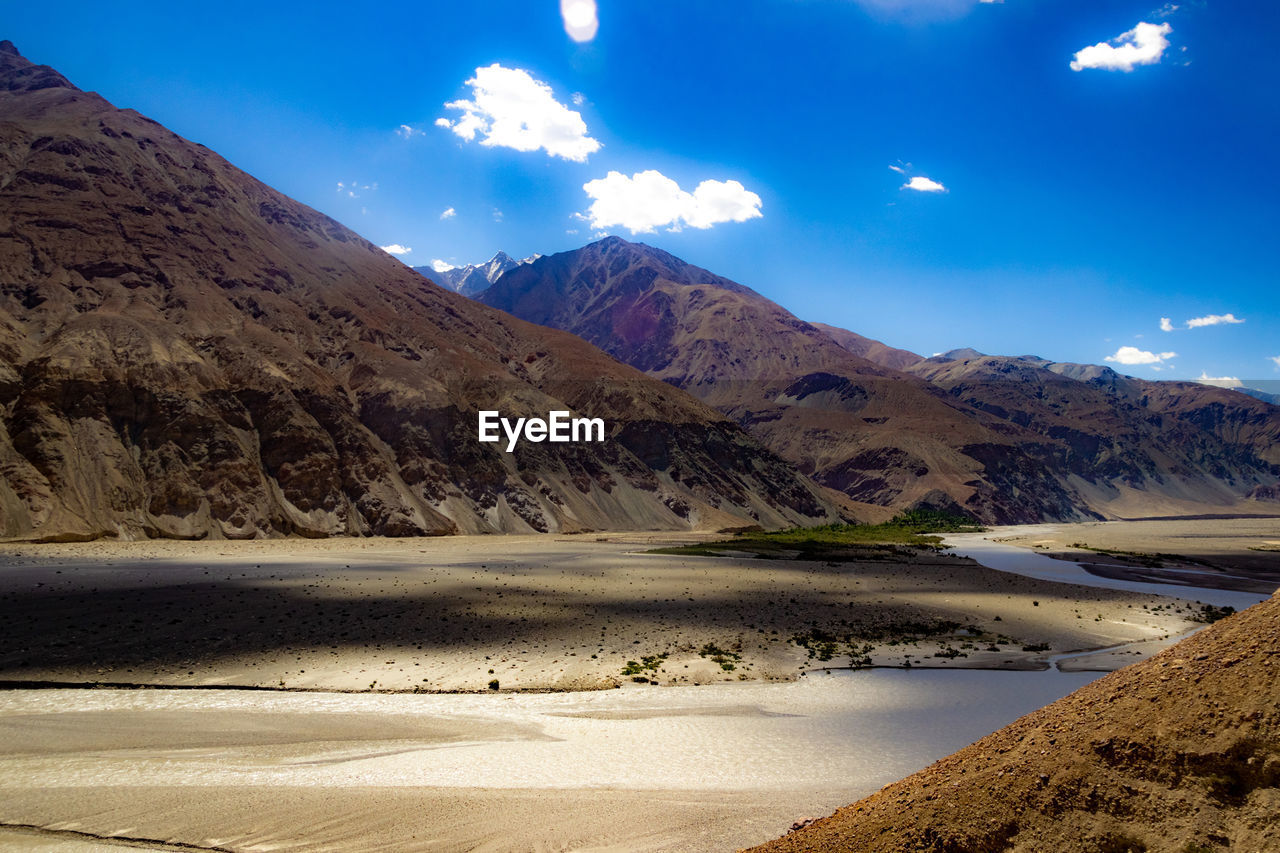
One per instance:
[(1022, 440), (1176, 441), (186, 352)]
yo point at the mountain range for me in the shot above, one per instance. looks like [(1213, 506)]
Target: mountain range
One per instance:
[(473, 278), (1002, 439), (185, 352)]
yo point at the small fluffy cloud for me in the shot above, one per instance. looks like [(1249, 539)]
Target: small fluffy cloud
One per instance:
[(396, 249), (1221, 381), (352, 189), (1166, 324), (510, 109), (442, 266), (404, 131), (924, 185), (580, 19), (1213, 320), (1142, 45), (448, 213), (1133, 355), (1276, 359), (649, 200)]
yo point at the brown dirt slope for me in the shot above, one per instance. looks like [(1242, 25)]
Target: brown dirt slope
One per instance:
[(871, 349), (185, 352), (1178, 754)]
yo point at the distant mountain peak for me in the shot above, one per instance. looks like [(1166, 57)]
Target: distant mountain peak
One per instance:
[(8, 47), (471, 279), (960, 354)]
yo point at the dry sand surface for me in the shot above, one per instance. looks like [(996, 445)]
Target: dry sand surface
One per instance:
[(641, 768), (390, 819), (1178, 754), (531, 612), (437, 615)]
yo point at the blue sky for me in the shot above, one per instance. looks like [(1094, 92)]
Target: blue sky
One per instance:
[(1065, 207)]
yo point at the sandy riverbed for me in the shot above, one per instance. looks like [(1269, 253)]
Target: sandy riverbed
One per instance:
[(650, 769), (530, 612), (1229, 553)]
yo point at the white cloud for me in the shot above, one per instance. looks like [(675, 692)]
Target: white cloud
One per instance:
[(1213, 320), (404, 131), (442, 266), (649, 200), (1276, 359), (509, 108), (924, 185), (580, 19), (396, 249), (578, 99), (1133, 355), (1166, 324), (349, 189), (898, 169), (497, 215), (1142, 45), (448, 213), (1221, 381)]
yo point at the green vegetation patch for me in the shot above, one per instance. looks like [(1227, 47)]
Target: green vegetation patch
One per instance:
[(1141, 558), (918, 528), (728, 660), (858, 642), (648, 663), (1210, 613)]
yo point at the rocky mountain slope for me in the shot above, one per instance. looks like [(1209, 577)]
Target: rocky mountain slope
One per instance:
[(833, 403), (871, 350), (1181, 441), (1177, 754), (878, 435), (473, 278), (185, 352)]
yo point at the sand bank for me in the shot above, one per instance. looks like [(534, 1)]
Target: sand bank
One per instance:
[(1240, 554), (641, 768), (529, 612), (697, 769)]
